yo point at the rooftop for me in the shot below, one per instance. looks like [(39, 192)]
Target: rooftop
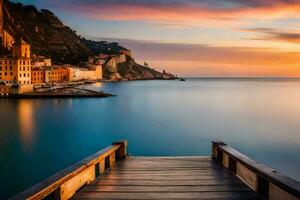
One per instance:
[(20, 41)]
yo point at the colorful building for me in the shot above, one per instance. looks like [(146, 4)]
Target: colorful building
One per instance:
[(16, 68), (4, 89), (41, 61), (56, 74), (37, 75), (93, 72)]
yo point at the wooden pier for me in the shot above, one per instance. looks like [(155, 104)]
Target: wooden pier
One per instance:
[(111, 174)]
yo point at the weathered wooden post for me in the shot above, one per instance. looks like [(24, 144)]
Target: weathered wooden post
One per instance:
[(121, 153), (217, 154), (268, 183)]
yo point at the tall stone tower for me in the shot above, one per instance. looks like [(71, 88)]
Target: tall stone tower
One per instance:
[(21, 49)]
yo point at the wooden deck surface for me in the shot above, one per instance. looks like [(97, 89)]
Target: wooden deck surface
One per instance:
[(167, 178)]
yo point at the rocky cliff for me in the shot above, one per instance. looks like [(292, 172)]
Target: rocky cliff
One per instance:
[(130, 70), (48, 36)]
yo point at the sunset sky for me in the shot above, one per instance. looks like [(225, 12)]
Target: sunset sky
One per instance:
[(194, 37)]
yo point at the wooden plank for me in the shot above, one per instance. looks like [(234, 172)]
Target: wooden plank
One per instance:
[(247, 176), (164, 177), (152, 178), (181, 164), (174, 172), (167, 169), (166, 182), (173, 162), (213, 188), (226, 160), (173, 195), (69, 188), (141, 158), (276, 193)]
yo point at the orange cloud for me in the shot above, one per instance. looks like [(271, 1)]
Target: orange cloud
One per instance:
[(186, 14), (277, 35)]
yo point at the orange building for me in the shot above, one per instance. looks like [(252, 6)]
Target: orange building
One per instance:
[(37, 75), (17, 68), (4, 89), (56, 74)]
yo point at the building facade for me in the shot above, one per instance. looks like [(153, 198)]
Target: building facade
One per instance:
[(37, 75), (94, 72), (56, 74), (4, 89), (17, 68), (41, 62)]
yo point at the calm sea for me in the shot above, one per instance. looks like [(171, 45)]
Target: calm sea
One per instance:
[(259, 117)]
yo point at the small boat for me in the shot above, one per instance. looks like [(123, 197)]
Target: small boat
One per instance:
[(181, 79)]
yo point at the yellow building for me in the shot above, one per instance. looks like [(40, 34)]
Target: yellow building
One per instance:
[(17, 67), (56, 74)]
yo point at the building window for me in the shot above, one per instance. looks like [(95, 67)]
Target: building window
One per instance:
[(20, 75), (24, 63), (11, 73), (10, 67), (24, 75), (5, 74), (24, 69), (5, 67)]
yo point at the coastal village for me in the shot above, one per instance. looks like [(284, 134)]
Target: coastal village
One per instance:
[(39, 54), (23, 72)]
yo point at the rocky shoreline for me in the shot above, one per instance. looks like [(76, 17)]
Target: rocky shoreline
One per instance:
[(72, 90), (68, 92)]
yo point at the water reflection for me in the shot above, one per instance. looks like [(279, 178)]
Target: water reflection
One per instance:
[(97, 84), (26, 123)]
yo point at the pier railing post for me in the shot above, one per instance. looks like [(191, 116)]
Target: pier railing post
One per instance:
[(217, 154), (268, 183), (67, 182), (121, 153)]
